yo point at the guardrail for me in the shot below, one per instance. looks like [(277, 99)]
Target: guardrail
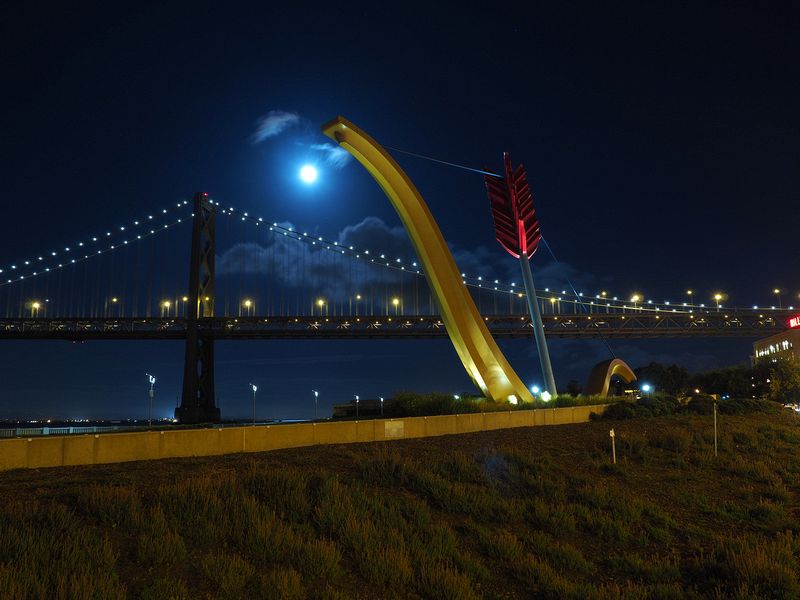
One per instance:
[(29, 431)]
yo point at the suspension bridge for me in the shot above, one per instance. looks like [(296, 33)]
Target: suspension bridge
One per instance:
[(275, 282)]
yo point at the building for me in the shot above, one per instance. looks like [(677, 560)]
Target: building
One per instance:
[(781, 345)]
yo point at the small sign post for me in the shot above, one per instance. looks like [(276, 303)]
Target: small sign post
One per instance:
[(613, 447), (715, 428)]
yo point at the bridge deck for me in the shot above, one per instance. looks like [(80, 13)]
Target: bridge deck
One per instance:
[(740, 324)]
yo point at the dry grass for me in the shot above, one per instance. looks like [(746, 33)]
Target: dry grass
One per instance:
[(512, 514)]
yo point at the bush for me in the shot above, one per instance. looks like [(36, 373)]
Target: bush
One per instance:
[(701, 405)]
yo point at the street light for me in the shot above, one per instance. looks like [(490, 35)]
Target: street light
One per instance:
[(717, 297), (254, 388), (248, 304), (152, 381), (381, 406), (777, 292), (316, 398), (635, 298), (321, 304), (165, 307), (35, 306), (356, 406), (396, 303)]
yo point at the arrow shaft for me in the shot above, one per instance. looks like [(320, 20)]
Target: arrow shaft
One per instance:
[(538, 328)]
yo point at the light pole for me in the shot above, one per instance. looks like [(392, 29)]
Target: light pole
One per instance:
[(255, 389), (316, 399), (717, 297), (777, 292), (635, 298), (356, 406), (396, 303), (165, 308), (248, 305), (381, 406), (114, 303), (321, 305), (358, 301), (152, 381), (35, 306)]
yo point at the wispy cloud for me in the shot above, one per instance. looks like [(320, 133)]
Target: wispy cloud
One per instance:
[(335, 156), (274, 123)]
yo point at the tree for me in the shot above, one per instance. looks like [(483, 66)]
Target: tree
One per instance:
[(574, 388), (784, 381), (673, 380)]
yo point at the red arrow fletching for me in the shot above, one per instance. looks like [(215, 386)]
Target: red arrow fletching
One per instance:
[(515, 223)]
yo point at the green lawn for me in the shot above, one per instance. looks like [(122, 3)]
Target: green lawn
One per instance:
[(534, 512)]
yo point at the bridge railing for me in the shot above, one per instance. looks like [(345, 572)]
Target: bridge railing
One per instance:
[(37, 431)]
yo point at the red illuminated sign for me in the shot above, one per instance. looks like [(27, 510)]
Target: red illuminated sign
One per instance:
[(794, 321)]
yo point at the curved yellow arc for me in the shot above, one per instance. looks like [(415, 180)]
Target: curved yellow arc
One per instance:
[(475, 346), (600, 378)]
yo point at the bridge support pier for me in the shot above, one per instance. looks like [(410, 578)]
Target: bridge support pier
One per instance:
[(197, 403)]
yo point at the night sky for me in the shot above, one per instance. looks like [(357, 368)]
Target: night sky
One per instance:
[(662, 143)]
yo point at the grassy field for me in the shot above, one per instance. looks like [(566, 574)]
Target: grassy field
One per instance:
[(520, 513)]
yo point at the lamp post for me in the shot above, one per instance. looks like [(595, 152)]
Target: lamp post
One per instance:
[(635, 298), (381, 406), (249, 307), (358, 301), (777, 292), (316, 402), (396, 303), (717, 298), (321, 305), (165, 308), (35, 306), (152, 381), (356, 406), (255, 389)]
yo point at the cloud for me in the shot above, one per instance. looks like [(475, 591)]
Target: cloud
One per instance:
[(282, 264), (274, 123), (335, 156)]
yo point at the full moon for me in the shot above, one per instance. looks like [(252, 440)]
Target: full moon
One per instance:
[(308, 174)]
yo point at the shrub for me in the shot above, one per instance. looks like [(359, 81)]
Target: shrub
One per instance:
[(229, 573), (673, 439), (165, 589), (281, 584), (166, 549), (701, 405), (284, 490), (440, 582)]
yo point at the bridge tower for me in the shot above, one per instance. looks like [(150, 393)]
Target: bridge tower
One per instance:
[(197, 403)]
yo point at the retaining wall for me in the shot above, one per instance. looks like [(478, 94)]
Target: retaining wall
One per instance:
[(93, 449)]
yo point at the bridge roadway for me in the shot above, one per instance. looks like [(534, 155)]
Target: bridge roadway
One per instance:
[(630, 324)]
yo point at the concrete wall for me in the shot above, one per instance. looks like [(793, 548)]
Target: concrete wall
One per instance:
[(93, 449)]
